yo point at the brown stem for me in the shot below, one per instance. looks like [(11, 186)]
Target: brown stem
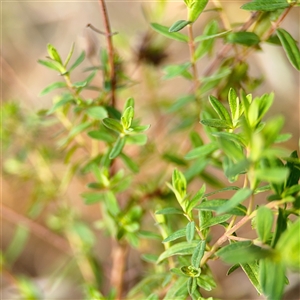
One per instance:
[(108, 35), (192, 55), (119, 256)]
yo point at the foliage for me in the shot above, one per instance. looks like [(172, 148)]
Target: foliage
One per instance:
[(111, 145)]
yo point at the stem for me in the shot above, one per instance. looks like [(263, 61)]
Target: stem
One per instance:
[(192, 57), (108, 35), (119, 255)]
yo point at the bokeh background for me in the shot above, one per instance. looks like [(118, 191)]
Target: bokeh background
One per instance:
[(27, 27)]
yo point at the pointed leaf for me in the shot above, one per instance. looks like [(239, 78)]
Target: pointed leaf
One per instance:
[(190, 231), (265, 5), (198, 254), (238, 197), (97, 112), (217, 123), (252, 271), (201, 151), (78, 61), (215, 221), (112, 124), (290, 47), (178, 25), (183, 248), (117, 148), (53, 86), (219, 109), (264, 222), (175, 235), (172, 35)]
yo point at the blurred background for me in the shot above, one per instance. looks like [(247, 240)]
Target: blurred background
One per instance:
[(27, 28)]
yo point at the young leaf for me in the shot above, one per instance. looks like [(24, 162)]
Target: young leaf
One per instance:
[(129, 163), (97, 112), (219, 109), (178, 25), (117, 148), (69, 55), (54, 65), (290, 47), (198, 254), (195, 200), (238, 197), (172, 35), (78, 61), (190, 231), (234, 105), (112, 124), (53, 86), (127, 117), (195, 9), (264, 221), (53, 53), (183, 248)]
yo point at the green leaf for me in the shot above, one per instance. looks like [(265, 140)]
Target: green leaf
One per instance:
[(137, 139), (53, 53), (219, 109), (214, 221), (97, 112), (129, 163), (201, 151), (169, 211), (175, 235), (179, 185), (276, 175), (117, 148), (178, 25), (183, 248), (242, 252), (231, 137), (69, 55), (78, 61), (243, 37), (217, 123), (252, 271), (264, 222), (127, 117), (112, 124), (79, 128), (102, 136), (198, 254), (53, 86), (190, 231), (195, 200), (238, 197), (149, 235), (172, 35), (272, 278), (54, 65), (234, 105), (290, 47), (195, 9), (64, 100), (213, 205), (92, 198), (289, 245), (228, 188), (172, 71), (190, 271), (129, 102), (265, 5), (202, 38), (191, 285)]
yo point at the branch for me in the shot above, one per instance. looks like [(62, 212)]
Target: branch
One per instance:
[(108, 35)]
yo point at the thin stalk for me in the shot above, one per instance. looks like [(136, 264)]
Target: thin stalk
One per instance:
[(192, 58), (110, 47)]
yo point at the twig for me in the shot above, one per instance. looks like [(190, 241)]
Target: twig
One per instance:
[(119, 255), (108, 35), (192, 55), (39, 230)]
